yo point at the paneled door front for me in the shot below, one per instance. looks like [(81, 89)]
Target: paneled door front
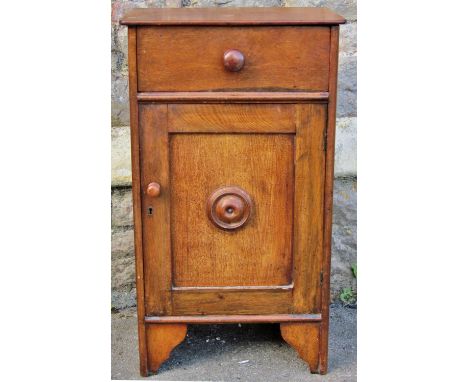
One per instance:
[(232, 207)]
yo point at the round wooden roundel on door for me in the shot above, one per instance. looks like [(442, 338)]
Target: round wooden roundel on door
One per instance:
[(229, 207)]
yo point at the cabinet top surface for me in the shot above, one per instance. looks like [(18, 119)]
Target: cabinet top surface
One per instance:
[(231, 16)]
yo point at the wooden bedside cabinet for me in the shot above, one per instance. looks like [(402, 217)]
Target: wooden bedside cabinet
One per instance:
[(232, 125)]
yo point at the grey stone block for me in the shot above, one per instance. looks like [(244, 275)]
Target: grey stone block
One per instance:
[(344, 238), (346, 8), (119, 49), (348, 38), (121, 156), (122, 210), (119, 100), (123, 261), (347, 86), (346, 147), (119, 71), (232, 3), (123, 298), (119, 7)]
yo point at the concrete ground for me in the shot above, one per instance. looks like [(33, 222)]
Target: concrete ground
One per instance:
[(237, 353)]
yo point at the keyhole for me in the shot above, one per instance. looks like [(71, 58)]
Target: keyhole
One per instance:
[(150, 210)]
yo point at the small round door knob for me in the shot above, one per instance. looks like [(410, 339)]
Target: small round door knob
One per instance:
[(153, 189), (233, 60)]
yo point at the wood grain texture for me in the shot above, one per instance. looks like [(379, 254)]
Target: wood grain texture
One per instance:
[(243, 118), (236, 318), (191, 58), (308, 207), (328, 199), (267, 127), (259, 253), (135, 155), (156, 227), (162, 339), (233, 97), (304, 337), (247, 301), (232, 16)]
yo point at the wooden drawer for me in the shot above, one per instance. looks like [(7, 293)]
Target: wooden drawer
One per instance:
[(192, 58)]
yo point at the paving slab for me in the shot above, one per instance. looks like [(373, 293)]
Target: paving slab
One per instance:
[(236, 352)]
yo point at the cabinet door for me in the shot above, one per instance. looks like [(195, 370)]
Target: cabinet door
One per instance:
[(237, 225)]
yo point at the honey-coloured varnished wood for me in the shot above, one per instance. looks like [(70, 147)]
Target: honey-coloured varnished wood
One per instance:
[(234, 319), (161, 340), (308, 207), (232, 115), (304, 337), (276, 97), (177, 59), (229, 207), (223, 301), (155, 212), (328, 199), (232, 118), (260, 252), (232, 16)]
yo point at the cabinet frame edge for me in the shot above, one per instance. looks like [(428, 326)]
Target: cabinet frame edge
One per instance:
[(328, 197)]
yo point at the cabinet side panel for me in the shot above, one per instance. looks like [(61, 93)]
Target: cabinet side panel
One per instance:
[(155, 210), (135, 152), (308, 206), (328, 202)]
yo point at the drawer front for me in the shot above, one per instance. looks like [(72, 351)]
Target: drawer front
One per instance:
[(267, 58), (236, 223)]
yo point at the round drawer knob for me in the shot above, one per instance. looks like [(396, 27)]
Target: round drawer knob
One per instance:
[(153, 189), (229, 207), (233, 60)]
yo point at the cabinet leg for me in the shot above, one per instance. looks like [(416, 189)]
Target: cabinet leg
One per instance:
[(305, 338), (161, 340)]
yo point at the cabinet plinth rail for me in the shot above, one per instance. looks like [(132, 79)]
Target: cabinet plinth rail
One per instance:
[(233, 97)]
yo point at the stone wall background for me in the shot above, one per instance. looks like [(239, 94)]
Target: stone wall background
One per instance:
[(344, 215)]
